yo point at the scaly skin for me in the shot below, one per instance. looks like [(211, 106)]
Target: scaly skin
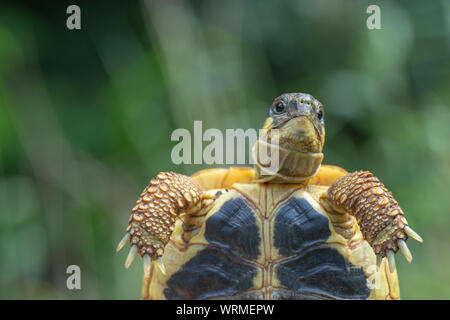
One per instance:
[(153, 218), (379, 216)]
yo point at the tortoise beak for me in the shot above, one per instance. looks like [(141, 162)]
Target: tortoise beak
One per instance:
[(301, 126), (300, 134)]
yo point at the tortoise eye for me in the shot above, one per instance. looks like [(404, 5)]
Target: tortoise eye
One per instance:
[(279, 107), (320, 114)]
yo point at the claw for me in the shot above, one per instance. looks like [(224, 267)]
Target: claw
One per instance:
[(160, 264), (410, 232), (147, 264), (391, 260), (379, 259), (122, 242), (131, 256), (405, 250)]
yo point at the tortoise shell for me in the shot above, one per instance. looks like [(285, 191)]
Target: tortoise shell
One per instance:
[(269, 241)]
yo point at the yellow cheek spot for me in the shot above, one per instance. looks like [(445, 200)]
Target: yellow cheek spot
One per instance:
[(268, 123)]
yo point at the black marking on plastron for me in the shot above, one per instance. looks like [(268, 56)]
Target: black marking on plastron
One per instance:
[(298, 226), (211, 273), (322, 271), (234, 227)]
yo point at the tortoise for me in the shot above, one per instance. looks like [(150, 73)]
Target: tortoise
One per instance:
[(303, 231)]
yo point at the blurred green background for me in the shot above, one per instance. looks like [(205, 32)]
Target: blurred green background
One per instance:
[(86, 118)]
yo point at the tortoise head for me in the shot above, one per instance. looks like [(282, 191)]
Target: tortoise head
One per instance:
[(293, 133)]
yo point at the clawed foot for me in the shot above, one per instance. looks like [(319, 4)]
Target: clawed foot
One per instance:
[(380, 218), (146, 256), (153, 218), (390, 247)]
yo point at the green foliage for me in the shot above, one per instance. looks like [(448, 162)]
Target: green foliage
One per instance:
[(86, 118)]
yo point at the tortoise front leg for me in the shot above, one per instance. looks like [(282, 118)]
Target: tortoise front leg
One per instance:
[(379, 216), (153, 218)]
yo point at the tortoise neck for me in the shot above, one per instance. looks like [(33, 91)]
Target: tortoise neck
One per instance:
[(276, 164)]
